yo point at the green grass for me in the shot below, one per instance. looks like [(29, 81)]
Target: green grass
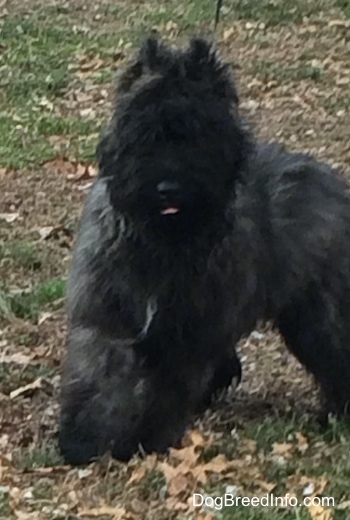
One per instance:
[(345, 6), (13, 375), (22, 254), (325, 457), (42, 456), (28, 304), (276, 12), (5, 508), (271, 71), (39, 63)]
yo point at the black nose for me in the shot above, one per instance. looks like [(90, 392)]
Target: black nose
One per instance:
[(167, 187)]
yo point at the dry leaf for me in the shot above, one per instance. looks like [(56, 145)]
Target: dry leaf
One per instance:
[(60, 166), (187, 455), (117, 513), (9, 217), (29, 389), (44, 316), (17, 358), (168, 471), (343, 505), (178, 484), (197, 439), (150, 461), (303, 443), (24, 515), (320, 513), (4, 461), (84, 473), (342, 81), (228, 33), (137, 475), (339, 23), (174, 504), (249, 446), (266, 486), (283, 449), (138, 506)]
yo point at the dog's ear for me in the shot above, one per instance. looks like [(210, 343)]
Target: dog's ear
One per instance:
[(202, 63), (153, 58), (154, 55)]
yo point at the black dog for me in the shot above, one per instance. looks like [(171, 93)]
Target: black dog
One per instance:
[(191, 234)]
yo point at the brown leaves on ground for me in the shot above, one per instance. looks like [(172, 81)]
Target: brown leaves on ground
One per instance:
[(185, 469), (284, 104)]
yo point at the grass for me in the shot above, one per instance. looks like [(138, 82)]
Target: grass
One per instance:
[(29, 303), (36, 62), (345, 6), (13, 376), (43, 54), (272, 13), (271, 71), (22, 254), (43, 456)]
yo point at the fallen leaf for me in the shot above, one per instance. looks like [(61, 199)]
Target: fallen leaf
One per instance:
[(197, 439), (228, 33), (342, 81), (84, 473), (218, 464), (343, 505), (174, 504), (303, 443), (9, 217), (4, 461), (17, 358), (188, 455), (44, 316), (138, 506), (283, 449), (320, 513), (339, 23), (168, 471), (115, 512), (29, 389), (24, 515), (137, 475), (60, 165), (178, 484)]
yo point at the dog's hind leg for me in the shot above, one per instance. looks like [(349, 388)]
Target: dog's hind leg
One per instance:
[(316, 328)]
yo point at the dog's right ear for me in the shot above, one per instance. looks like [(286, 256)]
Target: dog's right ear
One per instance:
[(202, 63), (153, 57)]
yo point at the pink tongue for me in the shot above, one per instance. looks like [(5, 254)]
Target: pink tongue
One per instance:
[(172, 210)]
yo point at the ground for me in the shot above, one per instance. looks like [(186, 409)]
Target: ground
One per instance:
[(57, 63)]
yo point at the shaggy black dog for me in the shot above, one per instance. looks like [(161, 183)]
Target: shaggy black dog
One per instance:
[(192, 233)]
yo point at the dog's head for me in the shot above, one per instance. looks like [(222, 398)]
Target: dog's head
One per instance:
[(175, 146)]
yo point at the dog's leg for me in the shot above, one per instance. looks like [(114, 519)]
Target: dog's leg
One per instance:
[(228, 371), (317, 331)]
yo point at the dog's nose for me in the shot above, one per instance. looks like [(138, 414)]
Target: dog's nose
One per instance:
[(167, 187)]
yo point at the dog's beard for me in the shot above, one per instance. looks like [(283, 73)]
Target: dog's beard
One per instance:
[(190, 215)]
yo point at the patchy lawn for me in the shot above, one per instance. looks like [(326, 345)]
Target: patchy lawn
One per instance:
[(57, 63)]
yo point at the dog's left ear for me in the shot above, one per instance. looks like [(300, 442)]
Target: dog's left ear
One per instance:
[(203, 63), (152, 58)]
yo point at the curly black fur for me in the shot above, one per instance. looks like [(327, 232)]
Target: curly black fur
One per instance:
[(191, 233)]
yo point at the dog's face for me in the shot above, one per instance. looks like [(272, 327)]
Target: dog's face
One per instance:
[(175, 146)]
